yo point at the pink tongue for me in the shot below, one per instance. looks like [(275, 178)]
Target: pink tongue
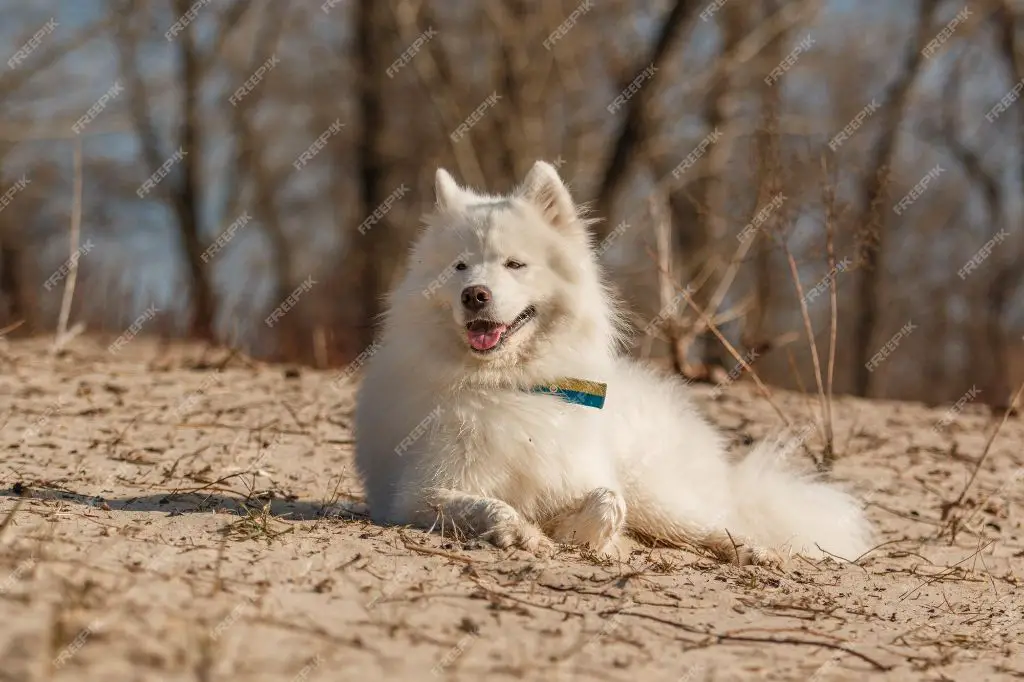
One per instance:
[(485, 339)]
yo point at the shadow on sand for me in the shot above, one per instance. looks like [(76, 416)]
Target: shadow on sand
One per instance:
[(199, 501)]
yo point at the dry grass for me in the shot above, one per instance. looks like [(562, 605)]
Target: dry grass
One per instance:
[(134, 546)]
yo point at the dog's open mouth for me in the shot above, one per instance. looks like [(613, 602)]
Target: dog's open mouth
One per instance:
[(485, 336)]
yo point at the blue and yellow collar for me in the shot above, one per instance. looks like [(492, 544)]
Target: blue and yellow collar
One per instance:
[(578, 391)]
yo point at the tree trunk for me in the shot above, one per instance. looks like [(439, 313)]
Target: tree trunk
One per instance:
[(367, 251), (187, 198), (631, 136), (873, 224)]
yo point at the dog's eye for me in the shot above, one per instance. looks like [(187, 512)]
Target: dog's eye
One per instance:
[(514, 265), (460, 266)]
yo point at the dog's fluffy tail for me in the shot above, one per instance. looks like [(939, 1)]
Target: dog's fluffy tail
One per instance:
[(783, 509)]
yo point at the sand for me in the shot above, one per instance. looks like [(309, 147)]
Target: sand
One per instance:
[(175, 513)]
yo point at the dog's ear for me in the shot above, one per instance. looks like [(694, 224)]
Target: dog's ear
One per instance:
[(545, 190), (448, 194)]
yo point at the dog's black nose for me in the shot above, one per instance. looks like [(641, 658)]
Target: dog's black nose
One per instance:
[(476, 297)]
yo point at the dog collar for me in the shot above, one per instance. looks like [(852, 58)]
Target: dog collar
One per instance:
[(578, 391)]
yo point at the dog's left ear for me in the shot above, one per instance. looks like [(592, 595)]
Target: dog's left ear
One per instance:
[(449, 196), (545, 190)]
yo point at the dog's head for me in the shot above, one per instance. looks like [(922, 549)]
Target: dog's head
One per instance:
[(511, 279)]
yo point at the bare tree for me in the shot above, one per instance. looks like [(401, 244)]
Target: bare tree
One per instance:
[(251, 164), (630, 138), (404, 75), (182, 188), (368, 255), (872, 223)]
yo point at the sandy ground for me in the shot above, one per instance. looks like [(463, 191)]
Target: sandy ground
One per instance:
[(178, 514)]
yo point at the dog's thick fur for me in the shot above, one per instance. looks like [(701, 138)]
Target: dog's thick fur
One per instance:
[(448, 437)]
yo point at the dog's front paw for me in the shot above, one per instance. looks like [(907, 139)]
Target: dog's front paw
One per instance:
[(608, 509), (755, 555), (763, 556), (740, 551), (522, 535), (596, 522), (536, 542), (617, 548)]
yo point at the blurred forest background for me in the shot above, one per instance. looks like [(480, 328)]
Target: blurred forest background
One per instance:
[(721, 141)]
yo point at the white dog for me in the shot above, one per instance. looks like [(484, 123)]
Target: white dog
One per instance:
[(459, 425)]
